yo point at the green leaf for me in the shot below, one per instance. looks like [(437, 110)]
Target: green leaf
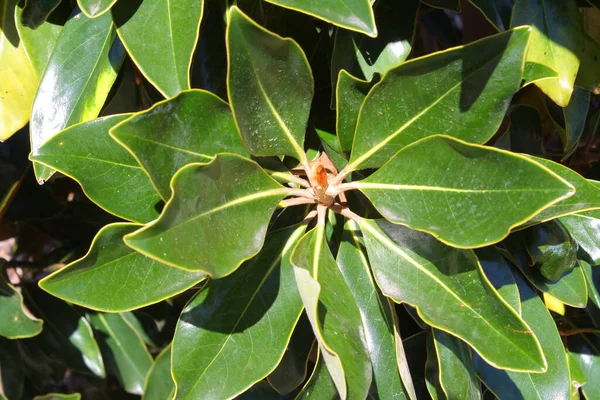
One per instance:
[(95, 8), (552, 250), (112, 277), (193, 126), (222, 208), (355, 15), (350, 95), (471, 196), (555, 382), (585, 229), (471, 86), (584, 349), (586, 197), (432, 371), (12, 374), (159, 383), (235, 331), (575, 116), (497, 271), (377, 316), (123, 350), (592, 280), (320, 385), (497, 12), (59, 396), (525, 133), (36, 12), (457, 372), (270, 88), (15, 321), (334, 315), (108, 174), (554, 41), (160, 36), (447, 286), (76, 82)]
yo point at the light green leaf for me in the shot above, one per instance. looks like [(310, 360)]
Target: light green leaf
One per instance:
[(235, 331), (334, 315), (193, 126), (159, 383), (15, 321), (552, 250), (160, 36), (95, 8), (355, 15), (585, 229), (112, 277), (76, 82), (497, 271), (555, 382), (350, 95), (108, 174), (447, 286), (320, 385), (472, 196), (377, 316), (497, 12), (12, 374), (123, 350), (471, 86), (270, 88), (222, 208)]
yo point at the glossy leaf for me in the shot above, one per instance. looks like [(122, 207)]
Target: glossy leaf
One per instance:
[(350, 95), (160, 36), (355, 15), (270, 88), (123, 350), (320, 385), (114, 278), (471, 197), (554, 383), (471, 86), (108, 174), (574, 118), (334, 315), (497, 271), (497, 12), (38, 43), (12, 374), (584, 349), (585, 229), (414, 268), (159, 383), (234, 332), (95, 8), (36, 12), (231, 194), (457, 372), (80, 73), (377, 316), (15, 321), (552, 249), (191, 127), (592, 280)]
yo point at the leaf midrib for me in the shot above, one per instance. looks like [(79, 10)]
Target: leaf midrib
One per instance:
[(390, 186), (162, 144)]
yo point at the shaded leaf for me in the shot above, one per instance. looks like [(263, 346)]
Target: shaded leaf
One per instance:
[(585, 229), (497, 271), (592, 280), (497, 12), (36, 12), (575, 115), (58, 396), (159, 383), (234, 332), (452, 5), (95, 8), (551, 249), (108, 174), (584, 349), (525, 132), (12, 374), (432, 371), (15, 321), (114, 278), (417, 359), (231, 194), (320, 385)]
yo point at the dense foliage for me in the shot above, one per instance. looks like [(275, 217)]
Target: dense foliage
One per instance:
[(300, 199)]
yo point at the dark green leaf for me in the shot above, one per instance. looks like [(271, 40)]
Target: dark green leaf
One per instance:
[(575, 116), (160, 36), (235, 331), (471, 197), (15, 321), (592, 280), (552, 250), (584, 349), (191, 127), (270, 88), (12, 374), (334, 315), (350, 95), (447, 286), (432, 371), (355, 15), (417, 359), (222, 208), (159, 383), (585, 229), (470, 86), (497, 271), (525, 132), (108, 174), (498, 12), (123, 350), (112, 277), (320, 385), (452, 5), (95, 8), (79, 75), (36, 12)]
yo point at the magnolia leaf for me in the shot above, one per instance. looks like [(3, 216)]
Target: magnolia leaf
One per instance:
[(470, 86), (76, 82), (377, 316), (447, 286), (592, 280), (471, 197), (160, 36), (209, 203), (95, 8), (574, 117), (334, 315), (38, 43), (59, 396), (585, 229), (320, 385), (350, 95), (552, 250), (234, 332), (555, 382), (123, 350), (108, 174), (417, 360), (15, 321), (193, 126), (12, 374), (497, 12), (432, 371), (355, 15), (584, 350), (452, 5), (36, 12), (270, 88), (497, 271), (112, 277), (159, 384)]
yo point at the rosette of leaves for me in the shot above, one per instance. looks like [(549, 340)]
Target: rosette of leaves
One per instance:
[(297, 245)]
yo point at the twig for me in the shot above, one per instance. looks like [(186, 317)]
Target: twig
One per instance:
[(577, 331)]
